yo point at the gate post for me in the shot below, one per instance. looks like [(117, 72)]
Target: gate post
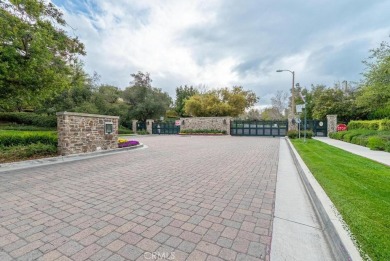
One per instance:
[(134, 126), (149, 126), (331, 123), (292, 125)]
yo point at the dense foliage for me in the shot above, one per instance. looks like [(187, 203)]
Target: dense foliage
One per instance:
[(37, 57), (25, 118), (370, 125), (220, 102)]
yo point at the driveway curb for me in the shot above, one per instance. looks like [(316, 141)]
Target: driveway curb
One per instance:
[(335, 230), (63, 159)]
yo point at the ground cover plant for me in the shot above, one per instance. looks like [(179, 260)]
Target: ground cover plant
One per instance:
[(360, 190)]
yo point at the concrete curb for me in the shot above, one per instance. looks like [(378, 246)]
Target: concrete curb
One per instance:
[(63, 159), (335, 230)]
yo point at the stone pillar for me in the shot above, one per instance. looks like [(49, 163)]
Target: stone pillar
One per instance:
[(292, 124), (81, 132), (331, 123), (134, 125), (149, 125)]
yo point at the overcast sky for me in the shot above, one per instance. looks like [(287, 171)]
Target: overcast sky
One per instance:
[(221, 43)]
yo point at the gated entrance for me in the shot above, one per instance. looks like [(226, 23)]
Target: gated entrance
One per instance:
[(141, 125), (167, 127), (319, 127), (258, 128)]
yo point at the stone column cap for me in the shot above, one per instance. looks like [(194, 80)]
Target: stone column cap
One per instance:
[(85, 115)]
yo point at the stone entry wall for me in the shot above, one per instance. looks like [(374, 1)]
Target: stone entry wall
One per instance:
[(210, 123), (332, 123), (80, 133)]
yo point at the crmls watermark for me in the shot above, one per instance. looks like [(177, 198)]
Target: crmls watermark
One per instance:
[(159, 255)]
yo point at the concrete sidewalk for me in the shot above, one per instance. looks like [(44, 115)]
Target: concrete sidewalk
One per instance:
[(297, 233), (378, 156)]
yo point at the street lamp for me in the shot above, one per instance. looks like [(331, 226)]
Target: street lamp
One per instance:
[(292, 90)]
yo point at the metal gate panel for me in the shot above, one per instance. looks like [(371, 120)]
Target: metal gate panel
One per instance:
[(167, 127), (258, 128)]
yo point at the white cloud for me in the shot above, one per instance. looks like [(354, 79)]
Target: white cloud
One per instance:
[(223, 43)]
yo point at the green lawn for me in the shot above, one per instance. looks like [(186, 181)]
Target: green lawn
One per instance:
[(359, 188)]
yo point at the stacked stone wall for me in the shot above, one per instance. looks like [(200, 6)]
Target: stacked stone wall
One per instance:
[(81, 133), (209, 123)]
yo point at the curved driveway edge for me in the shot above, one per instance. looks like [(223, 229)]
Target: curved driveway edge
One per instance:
[(62, 159), (334, 228)]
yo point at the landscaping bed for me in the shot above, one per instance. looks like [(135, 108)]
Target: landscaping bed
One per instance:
[(360, 190), (372, 134), (21, 145), (202, 132)]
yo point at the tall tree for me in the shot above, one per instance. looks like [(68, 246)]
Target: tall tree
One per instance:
[(183, 93), (146, 102), (280, 102), (36, 56), (374, 93), (221, 102)]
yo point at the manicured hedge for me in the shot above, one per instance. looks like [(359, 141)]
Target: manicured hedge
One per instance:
[(20, 138), (292, 134), (373, 139), (28, 118), (21, 152), (381, 125)]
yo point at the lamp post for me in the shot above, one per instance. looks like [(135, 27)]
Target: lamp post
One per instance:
[(292, 90)]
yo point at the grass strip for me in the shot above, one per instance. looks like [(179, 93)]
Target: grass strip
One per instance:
[(360, 190)]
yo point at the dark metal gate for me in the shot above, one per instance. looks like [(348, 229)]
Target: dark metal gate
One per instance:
[(141, 125), (258, 128), (318, 127), (167, 127)]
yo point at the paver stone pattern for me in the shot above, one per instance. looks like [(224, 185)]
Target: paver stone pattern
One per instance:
[(182, 198)]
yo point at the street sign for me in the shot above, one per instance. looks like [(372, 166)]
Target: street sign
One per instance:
[(177, 122), (299, 107)]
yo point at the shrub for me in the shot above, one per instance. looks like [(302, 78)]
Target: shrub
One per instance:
[(387, 146), (295, 134), (21, 127), (204, 131), (370, 125), (8, 154), (385, 125), (376, 143), (142, 132), (16, 138), (124, 130), (29, 118)]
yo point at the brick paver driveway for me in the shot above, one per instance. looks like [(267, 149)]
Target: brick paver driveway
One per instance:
[(182, 198)]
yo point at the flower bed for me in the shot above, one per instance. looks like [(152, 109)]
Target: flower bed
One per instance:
[(123, 143)]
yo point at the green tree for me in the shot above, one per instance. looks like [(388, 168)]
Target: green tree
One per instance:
[(271, 113), (221, 102), (183, 94), (374, 93), (36, 56), (146, 102), (336, 100)]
